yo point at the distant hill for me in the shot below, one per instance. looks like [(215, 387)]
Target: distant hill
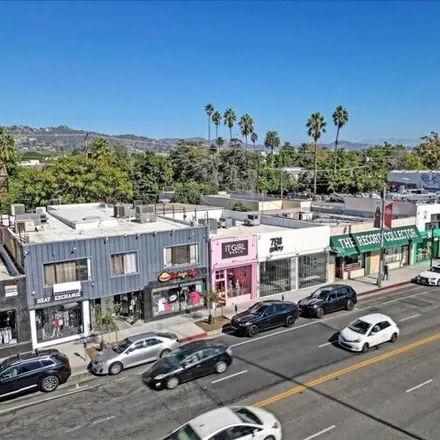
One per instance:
[(64, 138)]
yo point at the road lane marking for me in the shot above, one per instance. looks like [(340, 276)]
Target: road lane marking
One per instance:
[(73, 429), (347, 370), (230, 376), (419, 386), (321, 432), (325, 345), (410, 317), (103, 420)]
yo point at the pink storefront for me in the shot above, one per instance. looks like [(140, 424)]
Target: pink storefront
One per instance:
[(234, 268)]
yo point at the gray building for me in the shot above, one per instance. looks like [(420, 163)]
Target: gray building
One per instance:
[(77, 256)]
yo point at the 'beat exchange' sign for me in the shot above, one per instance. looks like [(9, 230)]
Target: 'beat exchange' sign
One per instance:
[(235, 249)]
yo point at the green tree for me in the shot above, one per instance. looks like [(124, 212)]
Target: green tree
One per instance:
[(340, 118), (209, 109), (229, 119), (254, 138), (191, 192), (219, 142), (8, 152), (240, 207), (217, 119), (286, 157), (272, 141), (428, 151), (246, 125), (100, 150), (315, 128), (122, 158)]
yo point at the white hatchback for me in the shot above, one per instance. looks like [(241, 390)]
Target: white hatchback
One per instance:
[(368, 331), (230, 423)]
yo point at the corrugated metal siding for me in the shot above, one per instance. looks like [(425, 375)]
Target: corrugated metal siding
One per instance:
[(149, 247)]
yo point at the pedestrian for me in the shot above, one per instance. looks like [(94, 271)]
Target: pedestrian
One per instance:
[(385, 272)]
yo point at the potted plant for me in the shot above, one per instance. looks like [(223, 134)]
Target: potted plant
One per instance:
[(211, 300)]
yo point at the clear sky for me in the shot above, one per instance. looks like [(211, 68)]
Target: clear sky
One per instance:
[(149, 68)]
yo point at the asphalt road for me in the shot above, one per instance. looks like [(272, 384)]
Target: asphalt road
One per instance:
[(365, 394)]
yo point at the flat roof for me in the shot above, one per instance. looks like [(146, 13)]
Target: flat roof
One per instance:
[(92, 220), (240, 229)]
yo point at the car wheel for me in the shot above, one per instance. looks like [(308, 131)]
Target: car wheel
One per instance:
[(438, 283), (271, 437), (49, 384), (172, 383), (365, 348), (394, 337), (319, 313), (350, 305), (253, 331), (164, 353), (115, 368), (221, 367), (290, 320)]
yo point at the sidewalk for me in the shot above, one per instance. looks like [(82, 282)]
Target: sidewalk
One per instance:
[(184, 325)]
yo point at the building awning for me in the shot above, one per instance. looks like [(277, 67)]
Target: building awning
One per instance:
[(369, 241), (343, 245), (427, 234)]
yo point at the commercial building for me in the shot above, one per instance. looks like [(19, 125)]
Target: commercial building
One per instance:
[(79, 256)]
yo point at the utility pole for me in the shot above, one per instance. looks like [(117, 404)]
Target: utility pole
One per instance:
[(432, 244), (382, 232)]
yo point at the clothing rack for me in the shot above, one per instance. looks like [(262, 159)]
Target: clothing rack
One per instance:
[(5, 335)]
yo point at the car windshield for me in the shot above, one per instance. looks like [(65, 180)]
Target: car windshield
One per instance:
[(184, 433), (172, 360), (321, 293), (122, 346), (359, 326), (257, 309), (246, 416), (435, 269)]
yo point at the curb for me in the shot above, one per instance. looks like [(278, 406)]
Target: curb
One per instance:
[(381, 289), (194, 337)]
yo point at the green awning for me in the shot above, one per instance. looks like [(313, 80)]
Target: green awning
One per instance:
[(370, 240), (344, 245), (427, 234)]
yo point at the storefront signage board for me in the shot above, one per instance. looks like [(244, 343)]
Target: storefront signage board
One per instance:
[(234, 249), (276, 244), (60, 296), (11, 290), (181, 275)]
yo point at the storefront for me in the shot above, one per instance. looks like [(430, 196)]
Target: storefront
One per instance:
[(358, 254), (59, 317), (175, 292), (429, 245), (234, 268)]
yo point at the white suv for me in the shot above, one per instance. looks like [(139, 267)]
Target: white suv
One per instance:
[(430, 277)]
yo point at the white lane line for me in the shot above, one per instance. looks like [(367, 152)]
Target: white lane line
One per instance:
[(419, 386), (73, 429), (325, 345), (410, 317), (229, 377), (103, 420), (321, 432)]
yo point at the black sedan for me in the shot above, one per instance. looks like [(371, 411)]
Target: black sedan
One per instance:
[(265, 315), (189, 362), (328, 299)]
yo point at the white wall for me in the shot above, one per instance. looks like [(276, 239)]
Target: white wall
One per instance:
[(424, 213), (364, 205), (192, 215)]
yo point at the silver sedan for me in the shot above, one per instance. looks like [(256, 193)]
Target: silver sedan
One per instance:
[(133, 351)]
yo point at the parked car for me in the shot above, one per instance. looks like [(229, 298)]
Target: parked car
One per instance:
[(328, 299), (134, 350), (430, 277), (190, 361), (230, 423), (265, 315), (34, 371), (368, 331)]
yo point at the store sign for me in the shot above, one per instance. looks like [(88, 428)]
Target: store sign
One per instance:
[(11, 290), (60, 296), (168, 276), (235, 249), (276, 244)]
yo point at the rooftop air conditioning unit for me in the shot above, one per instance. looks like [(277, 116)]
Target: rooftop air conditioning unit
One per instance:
[(29, 225), (143, 209), (252, 220), (40, 210), (27, 239), (20, 227), (221, 222), (203, 221), (17, 209), (306, 215), (120, 211), (229, 222), (137, 203)]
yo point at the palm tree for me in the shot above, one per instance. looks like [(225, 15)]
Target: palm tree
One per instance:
[(209, 109), (254, 138), (246, 126), (219, 142), (229, 118), (272, 141), (217, 119), (340, 118), (315, 128)]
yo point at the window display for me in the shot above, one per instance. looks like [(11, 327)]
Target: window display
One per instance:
[(275, 276), (58, 322), (238, 281), (178, 298), (8, 327), (312, 269)]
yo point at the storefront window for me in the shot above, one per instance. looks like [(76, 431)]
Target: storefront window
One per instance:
[(178, 298), (8, 327), (275, 277), (58, 322), (423, 251), (312, 269), (238, 281), (395, 255)]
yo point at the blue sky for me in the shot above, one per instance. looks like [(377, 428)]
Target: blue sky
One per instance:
[(149, 68)]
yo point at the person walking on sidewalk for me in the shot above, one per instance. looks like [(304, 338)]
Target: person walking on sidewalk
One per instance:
[(385, 272)]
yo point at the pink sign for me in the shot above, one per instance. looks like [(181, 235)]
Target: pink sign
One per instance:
[(233, 250)]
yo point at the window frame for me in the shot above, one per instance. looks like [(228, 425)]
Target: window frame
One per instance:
[(197, 252), (116, 254), (89, 270)]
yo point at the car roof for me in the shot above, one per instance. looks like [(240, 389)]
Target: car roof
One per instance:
[(141, 336), (199, 345), (373, 318), (274, 301), (333, 286), (20, 357), (212, 421)]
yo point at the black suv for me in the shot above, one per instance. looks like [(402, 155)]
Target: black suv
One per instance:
[(264, 316), (328, 299), (190, 361), (39, 370)]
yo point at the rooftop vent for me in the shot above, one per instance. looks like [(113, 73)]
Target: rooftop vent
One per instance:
[(91, 218), (17, 209)]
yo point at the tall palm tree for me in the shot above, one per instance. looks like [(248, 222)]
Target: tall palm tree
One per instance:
[(254, 138), (340, 118), (315, 128), (272, 141), (209, 109), (246, 124), (229, 119), (217, 119)]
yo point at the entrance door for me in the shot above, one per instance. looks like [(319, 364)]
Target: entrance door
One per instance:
[(405, 255)]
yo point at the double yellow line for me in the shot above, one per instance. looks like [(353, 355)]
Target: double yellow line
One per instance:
[(347, 370)]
